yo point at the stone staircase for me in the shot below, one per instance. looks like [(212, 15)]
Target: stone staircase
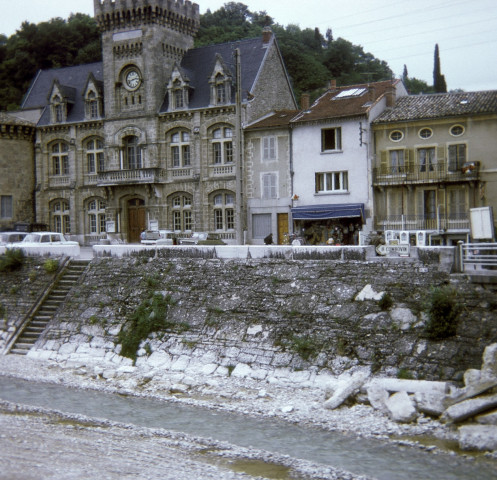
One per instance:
[(38, 322)]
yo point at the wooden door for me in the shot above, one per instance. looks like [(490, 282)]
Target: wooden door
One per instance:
[(136, 220), (282, 226)]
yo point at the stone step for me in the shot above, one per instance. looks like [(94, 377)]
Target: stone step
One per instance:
[(19, 351)]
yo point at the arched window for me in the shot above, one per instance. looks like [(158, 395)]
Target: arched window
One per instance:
[(61, 219), (182, 213), (60, 158), (132, 153), (222, 146), (96, 216), (95, 155), (180, 149), (224, 211)]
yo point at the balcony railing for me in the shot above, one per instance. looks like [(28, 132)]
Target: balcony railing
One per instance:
[(58, 181), (434, 172), (222, 170), (127, 177), (452, 222)]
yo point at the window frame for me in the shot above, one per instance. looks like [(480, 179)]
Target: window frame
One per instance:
[(323, 179), (222, 146), (223, 206), (6, 207), (331, 137), (269, 147)]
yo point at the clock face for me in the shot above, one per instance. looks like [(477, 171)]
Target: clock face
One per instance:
[(132, 79)]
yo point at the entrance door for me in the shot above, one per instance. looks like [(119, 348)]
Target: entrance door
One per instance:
[(282, 226), (136, 219)]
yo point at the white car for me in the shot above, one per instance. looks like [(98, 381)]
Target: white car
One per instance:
[(158, 237), (6, 238), (48, 243)]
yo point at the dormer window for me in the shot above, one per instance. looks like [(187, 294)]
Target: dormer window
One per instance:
[(92, 105), (178, 94), (59, 110), (221, 89)]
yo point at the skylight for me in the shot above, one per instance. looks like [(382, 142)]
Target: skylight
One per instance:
[(352, 92)]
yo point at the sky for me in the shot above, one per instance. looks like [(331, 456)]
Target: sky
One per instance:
[(400, 32)]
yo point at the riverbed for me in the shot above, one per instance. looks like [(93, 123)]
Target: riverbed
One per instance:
[(274, 403)]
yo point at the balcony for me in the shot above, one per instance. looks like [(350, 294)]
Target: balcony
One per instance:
[(227, 170), (59, 181), (450, 223), (131, 177), (437, 172)]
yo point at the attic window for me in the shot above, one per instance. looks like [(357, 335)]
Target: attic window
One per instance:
[(351, 92), (59, 110), (92, 105)]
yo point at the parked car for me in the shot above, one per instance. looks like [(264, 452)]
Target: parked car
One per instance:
[(158, 237), (6, 238), (48, 243), (203, 238)]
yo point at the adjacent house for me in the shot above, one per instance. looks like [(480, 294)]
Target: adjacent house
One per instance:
[(435, 159), (152, 135), (332, 198)]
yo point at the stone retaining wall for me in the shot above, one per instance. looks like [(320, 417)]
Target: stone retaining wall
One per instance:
[(269, 318)]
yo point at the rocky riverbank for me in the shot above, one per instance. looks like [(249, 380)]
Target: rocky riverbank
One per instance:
[(303, 406)]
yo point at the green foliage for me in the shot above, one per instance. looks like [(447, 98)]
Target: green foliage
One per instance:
[(404, 374), (305, 346), (53, 44), (385, 302), (3, 310), (51, 265), (13, 259), (149, 317), (443, 310)]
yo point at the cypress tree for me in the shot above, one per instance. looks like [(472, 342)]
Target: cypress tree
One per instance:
[(439, 84)]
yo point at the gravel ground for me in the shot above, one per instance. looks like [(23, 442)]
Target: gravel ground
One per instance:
[(36, 443)]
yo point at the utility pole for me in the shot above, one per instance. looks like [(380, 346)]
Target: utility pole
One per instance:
[(240, 222)]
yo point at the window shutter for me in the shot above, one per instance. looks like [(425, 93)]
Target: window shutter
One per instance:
[(383, 162), (441, 200)]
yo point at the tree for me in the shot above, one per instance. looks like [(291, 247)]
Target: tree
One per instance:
[(439, 84)]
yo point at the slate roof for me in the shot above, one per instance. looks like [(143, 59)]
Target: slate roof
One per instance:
[(345, 101), (198, 65), (73, 81), (425, 107), (11, 119)]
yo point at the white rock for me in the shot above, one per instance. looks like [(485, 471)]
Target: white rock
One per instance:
[(180, 364), (241, 370), (472, 376), (430, 403), (346, 386), (287, 409), (378, 397), (254, 330), (209, 369), (367, 293), (401, 408), (489, 365), (410, 386), (478, 437), (403, 317)]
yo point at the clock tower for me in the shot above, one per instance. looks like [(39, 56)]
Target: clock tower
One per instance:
[(141, 41)]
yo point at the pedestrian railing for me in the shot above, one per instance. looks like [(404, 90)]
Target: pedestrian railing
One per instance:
[(479, 257)]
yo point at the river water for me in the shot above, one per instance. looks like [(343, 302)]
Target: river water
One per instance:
[(360, 456)]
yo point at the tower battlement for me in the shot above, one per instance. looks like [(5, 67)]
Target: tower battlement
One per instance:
[(181, 15)]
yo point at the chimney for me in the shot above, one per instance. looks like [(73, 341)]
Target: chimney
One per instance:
[(333, 84), (391, 96), (267, 34), (372, 93), (305, 101)]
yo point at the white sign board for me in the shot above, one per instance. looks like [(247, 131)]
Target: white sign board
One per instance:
[(482, 223), (401, 250), (153, 225), (110, 226)]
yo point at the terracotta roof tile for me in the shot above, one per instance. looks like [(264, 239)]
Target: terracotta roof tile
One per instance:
[(419, 107)]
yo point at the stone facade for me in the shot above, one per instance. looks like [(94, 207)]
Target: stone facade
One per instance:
[(153, 134), (16, 165)]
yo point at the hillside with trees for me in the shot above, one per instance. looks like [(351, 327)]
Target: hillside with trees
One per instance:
[(311, 58)]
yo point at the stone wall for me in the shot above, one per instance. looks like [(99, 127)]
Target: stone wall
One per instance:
[(255, 317)]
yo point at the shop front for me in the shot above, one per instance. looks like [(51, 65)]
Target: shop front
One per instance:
[(332, 224)]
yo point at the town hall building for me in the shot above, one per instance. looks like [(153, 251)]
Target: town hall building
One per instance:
[(153, 134)]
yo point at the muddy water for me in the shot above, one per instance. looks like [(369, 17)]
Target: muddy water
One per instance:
[(361, 456)]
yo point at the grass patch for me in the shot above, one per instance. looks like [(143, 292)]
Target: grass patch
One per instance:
[(13, 259), (51, 265)]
